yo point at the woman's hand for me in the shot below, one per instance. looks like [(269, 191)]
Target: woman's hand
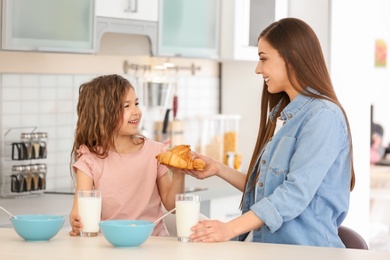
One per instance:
[(212, 168), (216, 231), (75, 223), (211, 231)]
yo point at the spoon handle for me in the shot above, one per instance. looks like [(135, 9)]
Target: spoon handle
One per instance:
[(163, 216), (6, 211)]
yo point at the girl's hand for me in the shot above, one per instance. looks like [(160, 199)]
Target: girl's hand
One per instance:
[(211, 231), (75, 223)]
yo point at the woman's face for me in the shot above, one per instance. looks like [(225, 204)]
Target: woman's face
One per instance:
[(131, 114), (273, 68)]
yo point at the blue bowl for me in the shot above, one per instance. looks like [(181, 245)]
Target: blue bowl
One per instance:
[(37, 227), (126, 233)]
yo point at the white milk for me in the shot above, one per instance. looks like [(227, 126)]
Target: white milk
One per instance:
[(89, 211), (187, 216)]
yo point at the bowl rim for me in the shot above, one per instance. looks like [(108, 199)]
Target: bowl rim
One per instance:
[(125, 222), (41, 217)]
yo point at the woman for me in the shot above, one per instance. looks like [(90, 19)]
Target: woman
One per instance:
[(301, 173)]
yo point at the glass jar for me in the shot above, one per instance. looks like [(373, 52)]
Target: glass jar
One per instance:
[(26, 139), (35, 176), (42, 137), (42, 175), (17, 178), (27, 178)]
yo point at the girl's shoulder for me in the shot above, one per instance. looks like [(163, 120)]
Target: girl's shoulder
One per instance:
[(151, 144), (83, 150)]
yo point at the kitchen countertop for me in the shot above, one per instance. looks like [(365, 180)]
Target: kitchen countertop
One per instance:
[(63, 246), (37, 204), (61, 203)]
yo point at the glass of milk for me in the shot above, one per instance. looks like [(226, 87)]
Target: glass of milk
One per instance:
[(90, 207), (187, 215)]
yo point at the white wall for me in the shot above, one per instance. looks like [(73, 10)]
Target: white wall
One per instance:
[(317, 14), (352, 61)]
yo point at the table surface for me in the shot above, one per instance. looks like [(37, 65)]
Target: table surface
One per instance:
[(62, 246)]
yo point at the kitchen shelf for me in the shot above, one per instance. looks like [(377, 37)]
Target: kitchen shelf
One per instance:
[(23, 174)]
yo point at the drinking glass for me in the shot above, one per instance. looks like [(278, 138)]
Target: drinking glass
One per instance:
[(187, 215), (89, 207)]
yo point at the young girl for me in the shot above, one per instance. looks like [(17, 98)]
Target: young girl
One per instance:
[(298, 184), (109, 155)]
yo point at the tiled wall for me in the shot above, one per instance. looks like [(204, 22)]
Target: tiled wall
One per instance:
[(48, 102)]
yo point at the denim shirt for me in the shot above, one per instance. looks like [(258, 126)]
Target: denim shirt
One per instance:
[(304, 184)]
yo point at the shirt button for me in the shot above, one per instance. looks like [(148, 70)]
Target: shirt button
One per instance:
[(260, 184), (262, 161), (290, 115)]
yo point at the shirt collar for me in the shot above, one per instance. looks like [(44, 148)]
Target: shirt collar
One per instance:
[(296, 105)]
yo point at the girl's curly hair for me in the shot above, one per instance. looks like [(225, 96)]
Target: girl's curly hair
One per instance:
[(99, 110)]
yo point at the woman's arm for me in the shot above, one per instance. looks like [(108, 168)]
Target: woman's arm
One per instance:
[(214, 167), (217, 231)]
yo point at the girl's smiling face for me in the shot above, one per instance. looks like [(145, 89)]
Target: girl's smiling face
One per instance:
[(131, 114), (273, 68)]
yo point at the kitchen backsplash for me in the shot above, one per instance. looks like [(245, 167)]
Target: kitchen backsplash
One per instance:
[(48, 102)]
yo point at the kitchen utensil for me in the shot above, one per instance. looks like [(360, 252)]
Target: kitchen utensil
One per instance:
[(163, 216), (126, 233), (6, 211), (165, 125), (157, 94), (175, 106), (37, 227)]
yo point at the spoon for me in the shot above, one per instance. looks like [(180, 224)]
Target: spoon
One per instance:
[(6, 211), (163, 216)]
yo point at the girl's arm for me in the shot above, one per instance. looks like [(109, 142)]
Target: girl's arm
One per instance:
[(83, 182), (170, 185)]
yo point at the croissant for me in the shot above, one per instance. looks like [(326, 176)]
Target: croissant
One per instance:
[(181, 157)]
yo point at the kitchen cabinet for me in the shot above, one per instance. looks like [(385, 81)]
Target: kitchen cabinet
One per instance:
[(225, 208), (189, 28), (46, 25), (144, 10), (242, 22)]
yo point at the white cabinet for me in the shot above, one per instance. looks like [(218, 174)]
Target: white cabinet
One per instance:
[(225, 208), (47, 25), (144, 10), (241, 23), (189, 28)]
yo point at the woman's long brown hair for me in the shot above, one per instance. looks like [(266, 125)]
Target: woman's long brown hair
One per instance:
[(300, 48)]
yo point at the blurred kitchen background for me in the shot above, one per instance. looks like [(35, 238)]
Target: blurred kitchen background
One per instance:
[(202, 54)]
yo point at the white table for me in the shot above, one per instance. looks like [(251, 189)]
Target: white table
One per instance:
[(62, 246)]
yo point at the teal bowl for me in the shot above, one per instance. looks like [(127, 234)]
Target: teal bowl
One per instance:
[(126, 233), (37, 227)]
